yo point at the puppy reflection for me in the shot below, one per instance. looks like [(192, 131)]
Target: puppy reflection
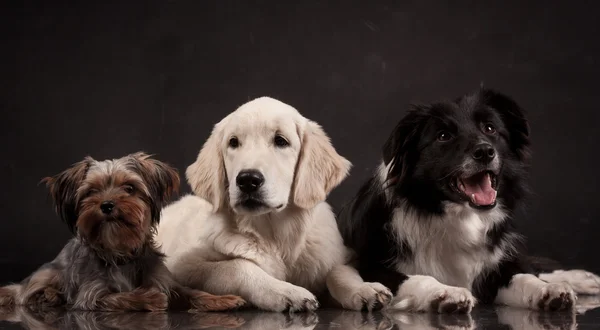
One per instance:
[(28, 319), (388, 319), (518, 318), (251, 321), (586, 303), (55, 319), (112, 264)]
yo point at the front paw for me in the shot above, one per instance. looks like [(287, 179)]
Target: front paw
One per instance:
[(154, 300), (286, 297), (370, 296), (582, 282), (554, 297), (206, 302), (424, 294)]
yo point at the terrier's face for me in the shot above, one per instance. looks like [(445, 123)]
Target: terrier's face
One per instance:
[(114, 205)]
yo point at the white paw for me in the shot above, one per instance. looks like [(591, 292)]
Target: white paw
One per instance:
[(285, 297), (553, 297), (582, 282), (370, 296), (424, 293)]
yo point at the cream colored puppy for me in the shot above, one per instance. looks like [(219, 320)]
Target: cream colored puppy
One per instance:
[(259, 226)]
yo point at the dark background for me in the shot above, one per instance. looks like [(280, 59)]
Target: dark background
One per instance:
[(106, 79)]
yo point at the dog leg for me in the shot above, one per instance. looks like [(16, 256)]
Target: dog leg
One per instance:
[(582, 282), (421, 293), (528, 291), (348, 288), (200, 301), (41, 290), (137, 300), (246, 279)]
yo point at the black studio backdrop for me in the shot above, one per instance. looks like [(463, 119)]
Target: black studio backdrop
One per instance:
[(110, 78)]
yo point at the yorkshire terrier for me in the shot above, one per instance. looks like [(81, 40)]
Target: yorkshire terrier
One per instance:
[(112, 264)]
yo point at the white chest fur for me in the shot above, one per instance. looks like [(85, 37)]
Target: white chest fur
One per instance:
[(452, 248)]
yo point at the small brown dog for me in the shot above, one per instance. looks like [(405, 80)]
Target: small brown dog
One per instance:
[(112, 263)]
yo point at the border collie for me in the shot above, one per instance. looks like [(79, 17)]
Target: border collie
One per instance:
[(436, 219)]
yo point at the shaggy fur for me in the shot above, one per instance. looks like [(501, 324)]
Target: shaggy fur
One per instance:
[(258, 225), (435, 221), (112, 263)]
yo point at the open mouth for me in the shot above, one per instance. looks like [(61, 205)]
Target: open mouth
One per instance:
[(479, 189)]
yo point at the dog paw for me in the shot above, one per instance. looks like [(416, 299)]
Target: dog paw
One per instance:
[(8, 295), (50, 297), (424, 294), (205, 302), (370, 296), (233, 302), (6, 298), (582, 282), (554, 297), (155, 300), (287, 297), (452, 300)]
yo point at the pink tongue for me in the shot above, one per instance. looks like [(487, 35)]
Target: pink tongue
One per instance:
[(479, 189)]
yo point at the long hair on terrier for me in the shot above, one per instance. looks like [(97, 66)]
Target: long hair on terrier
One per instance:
[(112, 264)]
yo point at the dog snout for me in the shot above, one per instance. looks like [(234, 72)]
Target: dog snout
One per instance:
[(249, 180), (484, 153), (107, 207)]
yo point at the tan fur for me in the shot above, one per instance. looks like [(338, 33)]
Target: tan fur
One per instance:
[(277, 256), (320, 168), (206, 175), (43, 287)]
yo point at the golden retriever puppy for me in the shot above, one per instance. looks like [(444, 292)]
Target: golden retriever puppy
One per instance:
[(258, 225)]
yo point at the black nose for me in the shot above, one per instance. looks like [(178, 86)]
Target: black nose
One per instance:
[(484, 153), (249, 180), (107, 207)]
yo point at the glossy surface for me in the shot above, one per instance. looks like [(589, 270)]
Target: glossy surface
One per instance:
[(587, 317)]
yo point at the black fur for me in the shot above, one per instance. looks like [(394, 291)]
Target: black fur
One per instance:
[(421, 168)]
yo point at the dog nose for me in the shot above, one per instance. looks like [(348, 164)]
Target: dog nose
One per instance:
[(249, 180), (484, 152), (107, 207)]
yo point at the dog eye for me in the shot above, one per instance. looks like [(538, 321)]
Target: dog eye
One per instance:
[(234, 142), (128, 189), (444, 136), (489, 129), (280, 141)]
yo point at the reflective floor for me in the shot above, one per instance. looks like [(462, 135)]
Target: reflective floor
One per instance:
[(587, 317)]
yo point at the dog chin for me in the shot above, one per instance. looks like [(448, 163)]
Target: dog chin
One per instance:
[(255, 207)]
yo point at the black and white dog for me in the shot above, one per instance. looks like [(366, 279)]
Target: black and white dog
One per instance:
[(435, 221)]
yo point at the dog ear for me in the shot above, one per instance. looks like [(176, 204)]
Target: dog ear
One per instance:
[(207, 175), (514, 118), (397, 155), (161, 179), (319, 169), (63, 191)]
